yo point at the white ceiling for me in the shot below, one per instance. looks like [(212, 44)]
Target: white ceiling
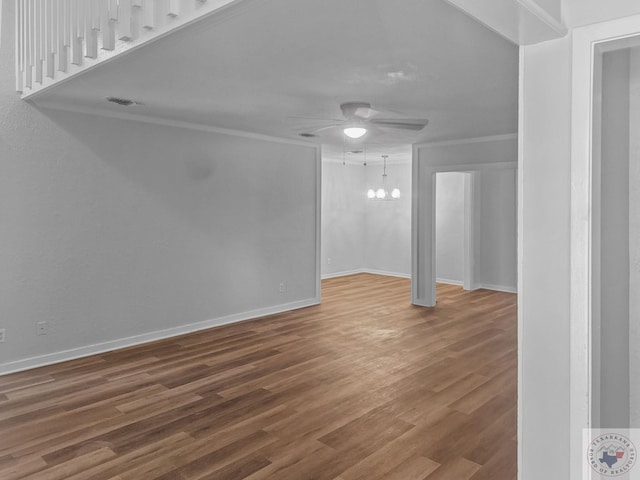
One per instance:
[(255, 69)]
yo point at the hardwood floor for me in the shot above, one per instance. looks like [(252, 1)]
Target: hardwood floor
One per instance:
[(364, 386)]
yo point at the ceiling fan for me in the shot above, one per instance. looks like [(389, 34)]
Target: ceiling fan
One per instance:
[(360, 118)]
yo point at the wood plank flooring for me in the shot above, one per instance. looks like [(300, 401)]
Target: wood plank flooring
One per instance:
[(362, 387)]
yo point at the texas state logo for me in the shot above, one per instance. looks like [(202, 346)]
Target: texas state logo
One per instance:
[(612, 455)]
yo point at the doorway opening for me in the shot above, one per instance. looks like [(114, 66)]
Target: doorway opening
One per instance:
[(605, 257), (361, 234)]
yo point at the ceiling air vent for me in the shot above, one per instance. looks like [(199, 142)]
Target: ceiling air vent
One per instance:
[(125, 102)]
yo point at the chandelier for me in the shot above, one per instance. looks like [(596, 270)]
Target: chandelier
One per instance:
[(383, 193)]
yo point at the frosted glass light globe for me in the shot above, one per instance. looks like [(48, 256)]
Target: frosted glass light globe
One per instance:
[(395, 193), (355, 132)]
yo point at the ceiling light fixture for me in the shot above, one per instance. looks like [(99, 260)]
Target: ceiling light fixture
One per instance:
[(355, 132), (382, 193)]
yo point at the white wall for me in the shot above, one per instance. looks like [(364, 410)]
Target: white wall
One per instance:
[(113, 229), (495, 224), (496, 259), (387, 235), (363, 235), (585, 12), (450, 227), (543, 287), (343, 217)]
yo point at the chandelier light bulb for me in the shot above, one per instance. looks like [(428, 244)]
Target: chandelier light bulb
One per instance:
[(355, 132), (382, 193)]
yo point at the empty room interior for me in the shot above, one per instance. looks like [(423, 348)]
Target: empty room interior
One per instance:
[(299, 239)]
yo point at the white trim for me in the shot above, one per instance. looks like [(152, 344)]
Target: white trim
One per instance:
[(73, 354), (170, 123), (475, 167), (346, 273), (585, 41), (545, 17), (465, 141), (497, 288), (471, 190), (386, 273), (520, 263), (485, 286), (350, 162), (415, 224), (318, 288), (522, 22)]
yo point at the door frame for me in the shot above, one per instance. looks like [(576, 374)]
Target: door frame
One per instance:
[(467, 156), (589, 43)]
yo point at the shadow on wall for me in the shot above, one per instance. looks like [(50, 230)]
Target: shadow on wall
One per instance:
[(210, 180)]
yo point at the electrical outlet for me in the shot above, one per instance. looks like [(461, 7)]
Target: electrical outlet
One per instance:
[(2, 334), (42, 328), (282, 288), (329, 261)]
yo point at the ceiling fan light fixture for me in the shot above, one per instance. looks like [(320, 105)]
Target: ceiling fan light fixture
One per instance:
[(355, 132)]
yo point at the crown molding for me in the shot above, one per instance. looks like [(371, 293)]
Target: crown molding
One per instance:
[(165, 122), (464, 141), (522, 22)]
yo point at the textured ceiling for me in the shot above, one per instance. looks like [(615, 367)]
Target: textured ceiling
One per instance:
[(255, 69)]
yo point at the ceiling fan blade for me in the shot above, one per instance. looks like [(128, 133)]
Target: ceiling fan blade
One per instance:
[(307, 124), (294, 119), (316, 128), (415, 124), (365, 112)]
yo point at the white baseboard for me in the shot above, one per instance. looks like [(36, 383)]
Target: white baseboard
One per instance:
[(365, 270), (498, 288), (342, 274), (486, 286), (387, 274), (75, 353)]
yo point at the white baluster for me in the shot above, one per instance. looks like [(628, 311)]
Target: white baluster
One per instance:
[(124, 23), (63, 34), (113, 9), (76, 36), (174, 8), (19, 45), (48, 40), (95, 13), (148, 15), (106, 29), (90, 35), (39, 7)]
